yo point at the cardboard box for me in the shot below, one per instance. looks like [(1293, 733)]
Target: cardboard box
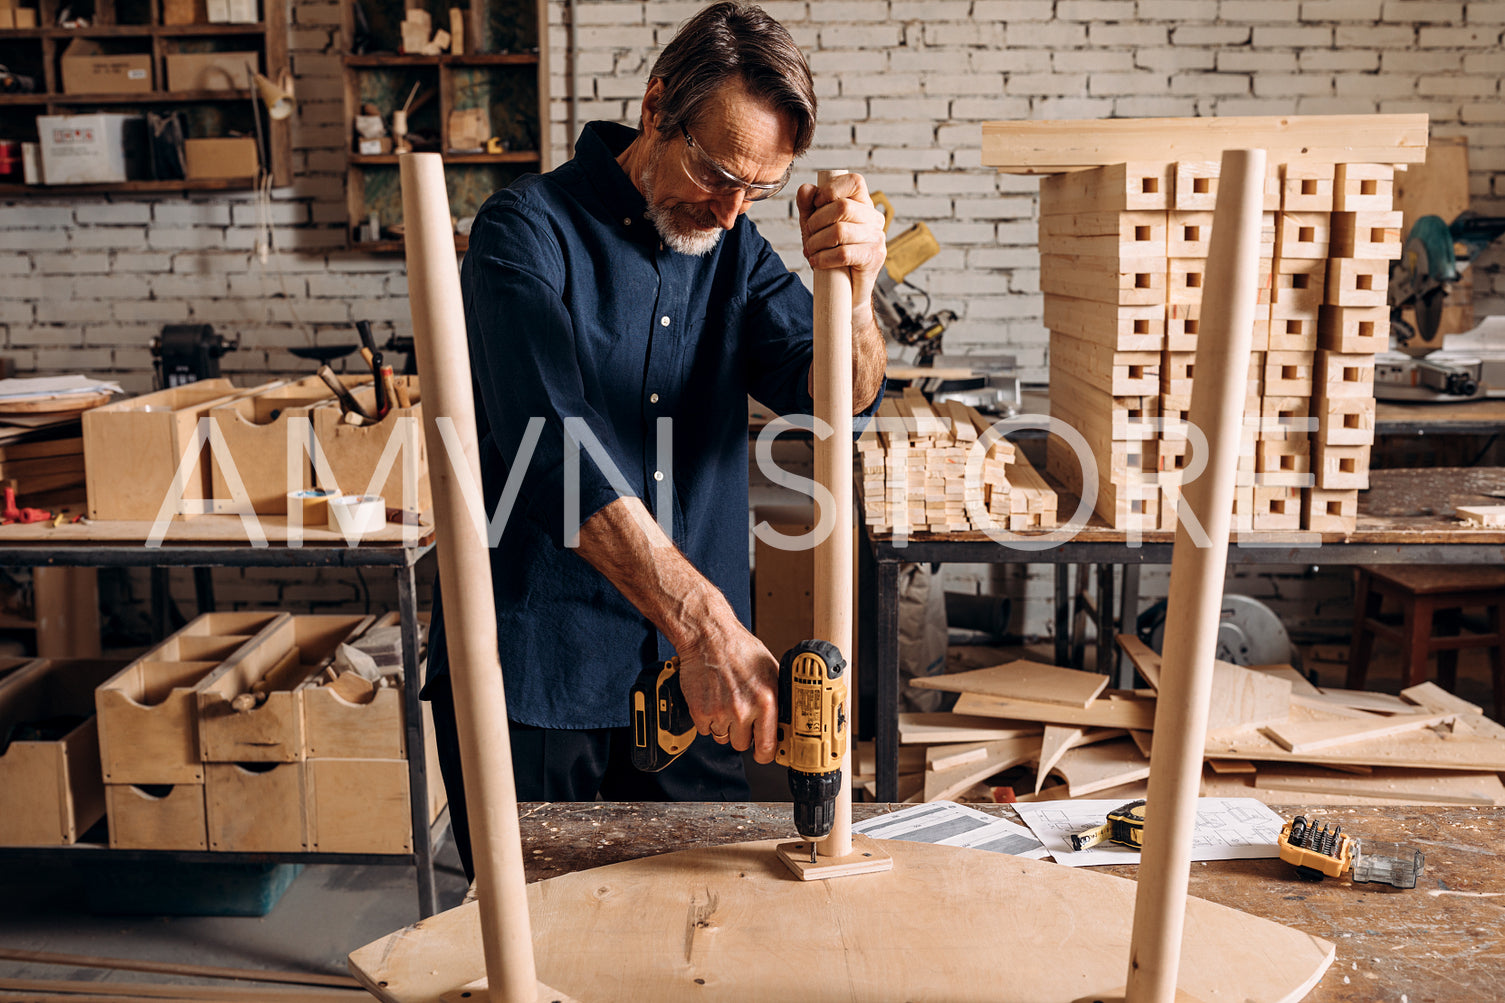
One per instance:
[(51, 790), (89, 70), (228, 157), (25, 17), (90, 149), (210, 71)]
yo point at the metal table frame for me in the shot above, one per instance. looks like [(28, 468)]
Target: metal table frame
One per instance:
[(402, 561), (878, 593)]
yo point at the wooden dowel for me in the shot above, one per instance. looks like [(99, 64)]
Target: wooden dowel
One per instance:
[(831, 370), (1196, 588), (465, 578)]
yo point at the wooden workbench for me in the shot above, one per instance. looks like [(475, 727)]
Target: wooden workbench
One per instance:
[(1439, 941)]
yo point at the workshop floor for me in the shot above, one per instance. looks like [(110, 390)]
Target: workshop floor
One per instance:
[(328, 912)]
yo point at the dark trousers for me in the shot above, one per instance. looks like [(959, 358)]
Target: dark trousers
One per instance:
[(554, 764)]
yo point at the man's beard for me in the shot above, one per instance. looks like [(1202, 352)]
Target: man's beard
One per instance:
[(685, 228)]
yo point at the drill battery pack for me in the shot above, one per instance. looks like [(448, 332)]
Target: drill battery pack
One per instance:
[(661, 724)]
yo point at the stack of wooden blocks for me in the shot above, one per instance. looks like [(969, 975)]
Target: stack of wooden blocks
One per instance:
[(917, 475), (1123, 260)]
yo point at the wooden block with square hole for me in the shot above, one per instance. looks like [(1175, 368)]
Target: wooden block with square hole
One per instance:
[(1360, 330), (1282, 418), (1284, 462), (1328, 510), (1127, 281), (1364, 188), (1188, 234), (1340, 467), (1345, 421), (1342, 374), (1243, 507), (1276, 507), (1133, 186), (1299, 285), (1306, 187), (1197, 186), (1302, 234), (1123, 504), (1124, 328), (1176, 373), (1368, 235), (1288, 374), (1295, 332), (1183, 320), (1123, 235), (1357, 281), (1119, 374)]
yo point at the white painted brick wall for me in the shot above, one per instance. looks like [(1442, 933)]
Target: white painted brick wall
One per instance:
[(903, 85)]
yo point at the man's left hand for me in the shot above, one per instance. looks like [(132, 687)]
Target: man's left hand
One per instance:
[(842, 228)]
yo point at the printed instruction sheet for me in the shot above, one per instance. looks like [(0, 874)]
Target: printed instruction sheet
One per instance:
[(952, 824), (1227, 829)]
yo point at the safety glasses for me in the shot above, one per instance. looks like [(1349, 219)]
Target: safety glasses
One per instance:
[(717, 180)]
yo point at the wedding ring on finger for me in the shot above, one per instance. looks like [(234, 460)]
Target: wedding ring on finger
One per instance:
[(721, 736)]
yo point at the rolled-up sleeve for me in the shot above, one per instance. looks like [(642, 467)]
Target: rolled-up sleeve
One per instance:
[(526, 365)]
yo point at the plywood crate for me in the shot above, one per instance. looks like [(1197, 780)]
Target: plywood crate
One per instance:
[(132, 449), (256, 807), (355, 452), (157, 816), (255, 432), (51, 790), (148, 712), (371, 726), (359, 805)]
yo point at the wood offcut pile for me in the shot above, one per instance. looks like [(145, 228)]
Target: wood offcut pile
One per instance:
[(942, 468), (1272, 735)]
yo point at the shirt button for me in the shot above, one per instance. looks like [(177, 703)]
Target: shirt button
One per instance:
[(658, 475), (663, 321), (653, 398)]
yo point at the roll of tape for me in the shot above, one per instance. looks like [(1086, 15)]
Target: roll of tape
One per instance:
[(314, 502), (357, 513)]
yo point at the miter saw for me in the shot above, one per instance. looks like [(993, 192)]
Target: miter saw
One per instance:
[(1249, 632), (1433, 259), (898, 315)]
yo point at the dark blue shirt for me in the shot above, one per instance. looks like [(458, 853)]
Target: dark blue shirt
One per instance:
[(576, 309)]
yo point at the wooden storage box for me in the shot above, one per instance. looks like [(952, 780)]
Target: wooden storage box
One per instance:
[(255, 432), (354, 452), (282, 658), (157, 817), (132, 450), (51, 791), (219, 157), (148, 712), (358, 806), (255, 807), (369, 728)]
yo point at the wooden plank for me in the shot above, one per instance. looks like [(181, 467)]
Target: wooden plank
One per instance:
[(940, 758), (925, 729), (1311, 736), (1335, 708), (1057, 741), (1379, 703), (1242, 697), (1489, 516), (943, 784), (1145, 658), (1231, 766), (1429, 786), (1095, 768), (1106, 712), (64, 989), (1434, 698), (1049, 147), (174, 968), (1021, 680)]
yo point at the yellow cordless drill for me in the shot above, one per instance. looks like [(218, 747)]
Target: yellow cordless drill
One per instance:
[(812, 727)]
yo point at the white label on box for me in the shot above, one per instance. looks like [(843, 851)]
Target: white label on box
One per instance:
[(369, 147), (135, 74)]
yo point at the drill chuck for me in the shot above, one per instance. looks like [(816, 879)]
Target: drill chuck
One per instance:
[(814, 802)]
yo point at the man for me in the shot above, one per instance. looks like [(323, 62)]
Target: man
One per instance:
[(620, 309)]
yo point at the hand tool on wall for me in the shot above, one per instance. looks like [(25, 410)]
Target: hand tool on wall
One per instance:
[(812, 727)]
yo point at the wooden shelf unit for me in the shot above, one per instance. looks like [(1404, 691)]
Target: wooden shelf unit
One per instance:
[(136, 26), (502, 68)]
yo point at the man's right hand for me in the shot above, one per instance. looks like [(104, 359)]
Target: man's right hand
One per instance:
[(730, 683)]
